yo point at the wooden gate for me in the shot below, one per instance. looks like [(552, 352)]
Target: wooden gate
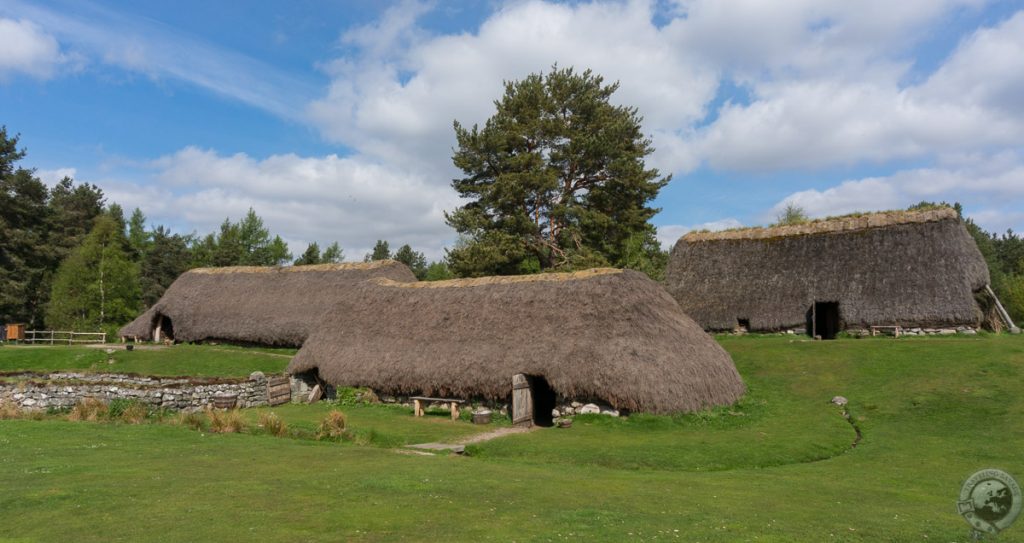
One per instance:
[(522, 401), (279, 390)]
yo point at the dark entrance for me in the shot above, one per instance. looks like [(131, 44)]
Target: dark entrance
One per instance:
[(532, 400), (163, 329), (825, 319)]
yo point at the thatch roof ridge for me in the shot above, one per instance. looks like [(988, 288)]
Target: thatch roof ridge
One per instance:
[(268, 305), (617, 337), (846, 223), (340, 266), (501, 279)]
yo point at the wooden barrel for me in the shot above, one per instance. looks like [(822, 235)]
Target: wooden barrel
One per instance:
[(482, 417)]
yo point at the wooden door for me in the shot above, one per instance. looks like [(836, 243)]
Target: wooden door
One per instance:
[(522, 401)]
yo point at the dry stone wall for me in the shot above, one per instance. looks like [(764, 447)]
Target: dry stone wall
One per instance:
[(65, 389)]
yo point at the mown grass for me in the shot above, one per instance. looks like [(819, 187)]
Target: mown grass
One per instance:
[(932, 412), (192, 360), (378, 425)]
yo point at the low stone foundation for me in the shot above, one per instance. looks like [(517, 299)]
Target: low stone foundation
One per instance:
[(65, 389)]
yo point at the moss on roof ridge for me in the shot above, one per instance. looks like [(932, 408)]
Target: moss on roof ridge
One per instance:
[(501, 279), (843, 223), (297, 269)]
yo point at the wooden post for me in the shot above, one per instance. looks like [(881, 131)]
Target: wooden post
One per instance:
[(455, 410), (417, 411)]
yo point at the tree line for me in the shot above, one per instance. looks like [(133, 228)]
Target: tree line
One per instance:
[(69, 260)]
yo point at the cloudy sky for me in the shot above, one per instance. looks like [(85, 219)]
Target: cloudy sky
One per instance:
[(334, 119)]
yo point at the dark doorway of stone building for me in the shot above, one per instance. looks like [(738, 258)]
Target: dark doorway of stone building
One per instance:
[(826, 320)]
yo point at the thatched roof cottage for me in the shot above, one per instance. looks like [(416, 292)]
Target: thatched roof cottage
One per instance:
[(914, 268), (257, 305), (608, 335)]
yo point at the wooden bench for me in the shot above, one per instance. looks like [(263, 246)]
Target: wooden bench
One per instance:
[(896, 330), (418, 404)]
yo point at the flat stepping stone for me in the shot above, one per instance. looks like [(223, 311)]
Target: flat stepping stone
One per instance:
[(457, 449)]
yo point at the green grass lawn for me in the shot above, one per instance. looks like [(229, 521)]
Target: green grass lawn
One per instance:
[(378, 425), (775, 468), (192, 360)]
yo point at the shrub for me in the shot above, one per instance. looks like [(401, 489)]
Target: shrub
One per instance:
[(193, 420), (89, 409), (10, 410), (333, 425), (134, 413), (225, 422), (273, 425)]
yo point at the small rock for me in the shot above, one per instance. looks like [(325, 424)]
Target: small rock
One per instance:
[(29, 402), (610, 412), (839, 400), (946, 332), (588, 409), (969, 332), (257, 376), (555, 413), (576, 405)]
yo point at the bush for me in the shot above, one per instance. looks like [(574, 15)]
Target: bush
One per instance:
[(10, 410), (89, 409), (333, 426), (225, 422), (193, 420), (273, 425), (134, 413)]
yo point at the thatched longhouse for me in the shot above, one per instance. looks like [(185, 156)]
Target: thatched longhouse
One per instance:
[(896, 268), (608, 335), (255, 305)]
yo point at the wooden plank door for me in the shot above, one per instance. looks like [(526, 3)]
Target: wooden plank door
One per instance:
[(522, 401)]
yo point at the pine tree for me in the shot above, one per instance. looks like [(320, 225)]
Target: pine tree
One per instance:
[(310, 256), (167, 256), (381, 251), (332, 254), (416, 261), (26, 256), (138, 237), (555, 178)]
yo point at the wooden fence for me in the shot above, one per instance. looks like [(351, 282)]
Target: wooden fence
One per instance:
[(53, 337)]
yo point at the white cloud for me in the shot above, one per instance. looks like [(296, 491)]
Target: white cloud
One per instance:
[(989, 186), (669, 234), (146, 46), (52, 177), (26, 48), (326, 199), (817, 118), (398, 101)]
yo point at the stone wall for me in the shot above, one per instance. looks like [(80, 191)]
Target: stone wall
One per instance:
[(65, 389)]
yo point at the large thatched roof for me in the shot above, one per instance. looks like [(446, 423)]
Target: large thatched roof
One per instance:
[(262, 305), (603, 334), (909, 268)]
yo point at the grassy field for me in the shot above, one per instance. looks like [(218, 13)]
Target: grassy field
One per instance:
[(778, 467), (192, 360)]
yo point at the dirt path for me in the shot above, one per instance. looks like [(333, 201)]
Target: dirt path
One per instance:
[(493, 434), (460, 445)]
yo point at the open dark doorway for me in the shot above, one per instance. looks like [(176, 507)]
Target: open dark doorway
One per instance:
[(532, 400), (163, 329), (826, 319)]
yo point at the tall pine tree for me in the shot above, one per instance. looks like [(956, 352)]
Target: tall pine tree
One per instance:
[(555, 180)]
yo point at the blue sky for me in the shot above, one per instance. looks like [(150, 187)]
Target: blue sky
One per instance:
[(333, 119)]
